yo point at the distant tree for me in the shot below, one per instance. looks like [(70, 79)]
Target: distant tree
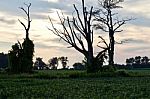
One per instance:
[(39, 64), (145, 60), (79, 66), (107, 20), (28, 46), (15, 59), (64, 61), (137, 60), (3, 60), (78, 33), (130, 61), (53, 63)]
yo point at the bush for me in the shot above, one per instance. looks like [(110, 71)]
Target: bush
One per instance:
[(108, 68)]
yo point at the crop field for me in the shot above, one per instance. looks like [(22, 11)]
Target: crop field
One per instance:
[(31, 86)]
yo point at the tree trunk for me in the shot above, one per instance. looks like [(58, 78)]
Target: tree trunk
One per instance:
[(90, 59), (111, 50), (27, 34)]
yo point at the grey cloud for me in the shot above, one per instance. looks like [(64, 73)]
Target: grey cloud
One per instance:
[(7, 21), (57, 40), (137, 49), (136, 41)]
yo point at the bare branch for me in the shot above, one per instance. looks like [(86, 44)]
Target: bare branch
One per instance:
[(22, 24), (120, 23), (27, 12)]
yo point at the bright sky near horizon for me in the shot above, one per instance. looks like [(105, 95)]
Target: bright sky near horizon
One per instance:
[(47, 45)]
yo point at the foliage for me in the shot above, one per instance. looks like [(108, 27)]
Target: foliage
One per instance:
[(108, 68), (39, 64), (64, 61), (53, 63), (3, 60), (138, 62), (28, 50), (79, 66), (24, 86), (15, 59), (20, 57)]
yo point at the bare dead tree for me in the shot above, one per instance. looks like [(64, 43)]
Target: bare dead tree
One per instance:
[(109, 21), (78, 33), (27, 12)]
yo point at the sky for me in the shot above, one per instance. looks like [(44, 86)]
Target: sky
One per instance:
[(47, 45)]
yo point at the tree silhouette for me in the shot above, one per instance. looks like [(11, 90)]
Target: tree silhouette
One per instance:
[(145, 60), (3, 60), (28, 46), (130, 61), (64, 61), (15, 59), (138, 62), (78, 33), (53, 63), (107, 20), (27, 12), (79, 66), (39, 64)]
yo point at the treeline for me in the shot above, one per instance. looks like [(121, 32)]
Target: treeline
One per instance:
[(138, 62), (52, 63)]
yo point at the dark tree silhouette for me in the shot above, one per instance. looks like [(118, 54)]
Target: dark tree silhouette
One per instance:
[(3, 60), (145, 60), (130, 61), (79, 66), (39, 64), (78, 33), (27, 12), (15, 59), (53, 63), (28, 46), (107, 20), (138, 62), (64, 61)]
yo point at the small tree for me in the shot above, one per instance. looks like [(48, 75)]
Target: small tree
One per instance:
[(15, 59), (53, 63), (39, 64), (64, 61), (78, 33), (108, 21), (79, 66)]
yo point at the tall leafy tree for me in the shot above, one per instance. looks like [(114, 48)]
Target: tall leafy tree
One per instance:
[(109, 21), (78, 32)]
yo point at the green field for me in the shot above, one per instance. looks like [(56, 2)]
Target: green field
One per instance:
[(58, 85)]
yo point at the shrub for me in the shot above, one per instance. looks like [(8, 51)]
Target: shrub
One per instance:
[(108, 68)]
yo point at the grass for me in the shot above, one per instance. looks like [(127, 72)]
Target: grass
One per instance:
[(61, 85)]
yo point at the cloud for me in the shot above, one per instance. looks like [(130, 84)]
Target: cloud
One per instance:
[(135, 41), (7, 21), (5, 43), (44, 46)]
